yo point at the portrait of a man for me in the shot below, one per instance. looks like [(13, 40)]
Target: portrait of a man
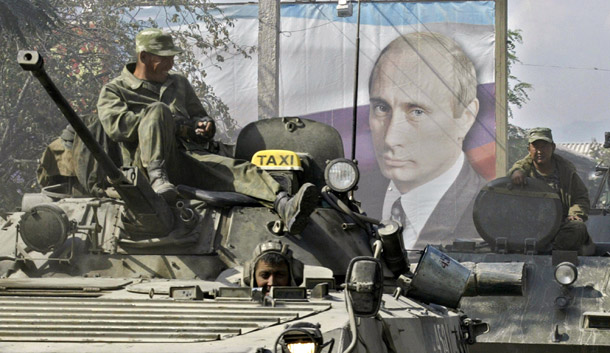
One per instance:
[(423, 102)]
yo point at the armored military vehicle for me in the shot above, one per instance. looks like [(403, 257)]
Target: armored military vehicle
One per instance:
[(131, 273), (562, 304)]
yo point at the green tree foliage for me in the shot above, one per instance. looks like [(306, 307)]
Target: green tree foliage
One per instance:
[(517, 144), (23, 23), (18, 18), (85, 43), (517, 96), (517, 89)]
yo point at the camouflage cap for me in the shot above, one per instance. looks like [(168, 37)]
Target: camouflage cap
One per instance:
[(540, 133), (155, 41)]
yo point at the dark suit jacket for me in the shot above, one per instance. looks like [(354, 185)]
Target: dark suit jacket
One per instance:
[(452, 216)]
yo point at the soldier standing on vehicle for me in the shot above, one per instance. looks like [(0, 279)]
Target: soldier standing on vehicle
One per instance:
[(272, 264), (542, 163), (164, 130)]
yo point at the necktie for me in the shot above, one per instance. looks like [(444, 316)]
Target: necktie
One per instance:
[(398, 214), (408, 232)]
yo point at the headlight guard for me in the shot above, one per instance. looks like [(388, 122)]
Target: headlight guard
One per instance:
[(566, 273), (341, 175)]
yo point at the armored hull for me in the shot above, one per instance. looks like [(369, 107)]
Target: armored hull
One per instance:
[(119, 320), (562, 304), (129, 272), (110, 291), (548, 317)]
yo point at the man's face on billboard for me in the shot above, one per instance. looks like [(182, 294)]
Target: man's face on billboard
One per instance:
[(416, 133)]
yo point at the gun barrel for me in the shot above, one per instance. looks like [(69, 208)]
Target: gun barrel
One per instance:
[(149, 213), (32, 61)]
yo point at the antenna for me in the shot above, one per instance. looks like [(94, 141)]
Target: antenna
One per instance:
[(344, 9)]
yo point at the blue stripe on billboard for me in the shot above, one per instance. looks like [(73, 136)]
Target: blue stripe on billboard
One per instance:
[(144, 13), (249, 11), (378, 14), (400, 13)]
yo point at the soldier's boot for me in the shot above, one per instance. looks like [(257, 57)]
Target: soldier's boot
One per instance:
[(588, 248), (160, 182), (295, 210)]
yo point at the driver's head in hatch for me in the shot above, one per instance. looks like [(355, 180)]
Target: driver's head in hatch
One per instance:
[(272, 264)]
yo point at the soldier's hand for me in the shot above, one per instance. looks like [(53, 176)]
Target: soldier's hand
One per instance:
[(518, 178), (205, 128)]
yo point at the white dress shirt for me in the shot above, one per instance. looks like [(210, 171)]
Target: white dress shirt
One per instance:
[(420, 202)]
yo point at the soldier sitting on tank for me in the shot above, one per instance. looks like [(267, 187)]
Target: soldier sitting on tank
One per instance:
[(163, 129), (272, 264), (542, 163)]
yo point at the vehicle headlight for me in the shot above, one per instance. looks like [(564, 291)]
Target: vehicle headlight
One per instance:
[(566, 273), (341, 175), (308, 347), (44, 227)]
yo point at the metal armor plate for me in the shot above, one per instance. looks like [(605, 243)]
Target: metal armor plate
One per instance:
[(517, 219)]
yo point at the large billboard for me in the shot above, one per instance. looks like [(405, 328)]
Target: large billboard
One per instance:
[(426, 133)]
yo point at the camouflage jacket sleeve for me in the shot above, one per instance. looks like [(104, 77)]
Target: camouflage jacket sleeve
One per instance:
[(118, 121), (525, 165), (574, 192), (579, 205), (193, 104)]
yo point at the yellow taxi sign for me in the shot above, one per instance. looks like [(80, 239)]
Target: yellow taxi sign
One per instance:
[(277, 160)]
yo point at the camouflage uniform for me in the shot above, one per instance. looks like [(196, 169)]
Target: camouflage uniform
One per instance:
[(145, 116), (572, 235), (161, 123)]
